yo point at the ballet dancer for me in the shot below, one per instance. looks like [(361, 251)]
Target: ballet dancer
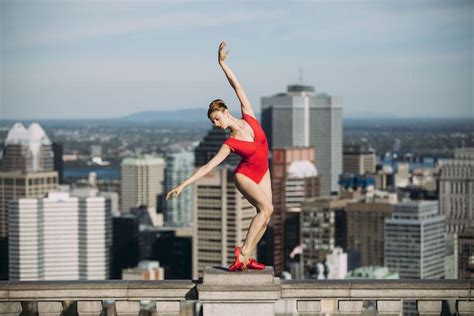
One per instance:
[(252, 176)]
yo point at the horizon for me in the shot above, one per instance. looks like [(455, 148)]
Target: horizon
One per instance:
[(97, 60)]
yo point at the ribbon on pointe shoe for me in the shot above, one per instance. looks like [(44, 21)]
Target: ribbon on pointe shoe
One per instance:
[(237, 265), (255, 265)]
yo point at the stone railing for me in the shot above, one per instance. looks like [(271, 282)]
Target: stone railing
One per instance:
[(254, 293)]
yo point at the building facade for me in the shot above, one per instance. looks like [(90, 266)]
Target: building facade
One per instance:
[(301, 117)]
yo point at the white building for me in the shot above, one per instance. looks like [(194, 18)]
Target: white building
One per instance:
[(142, 182), (456, 191), (301, 117), (414, 244), (60, 237)]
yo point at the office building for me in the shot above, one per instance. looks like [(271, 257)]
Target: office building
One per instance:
[(365, 230), (300, 117), (414, 240), (456, 190), (179, 167), (210, 145), (294, 178), (142, 182), (222, 218), (322, 228), (358, 159), (60, 237)]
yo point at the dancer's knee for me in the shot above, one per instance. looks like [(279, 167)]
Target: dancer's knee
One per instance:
[(267, 212)]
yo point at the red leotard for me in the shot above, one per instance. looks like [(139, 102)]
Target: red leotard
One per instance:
[(254, 163)]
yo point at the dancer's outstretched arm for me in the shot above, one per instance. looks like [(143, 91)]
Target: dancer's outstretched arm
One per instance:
[(223, 152), (244, 102)]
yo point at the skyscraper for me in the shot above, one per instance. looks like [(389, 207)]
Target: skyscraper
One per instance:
[(294, 178), (142, 182), (222, 217), (26, 170), (179, 166), (301, 117), (414, 240), (210, 145), (322, 228), (60, 237), (456, 190), (365, 230)]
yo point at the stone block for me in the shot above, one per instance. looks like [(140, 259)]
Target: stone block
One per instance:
[(389, 307), (219, 275), (308, 306), (89, 308), (350, 306), (429, 307), (465, 308), (127, 308), (50, 308), (238, 309), (167, 307), (10, 308)]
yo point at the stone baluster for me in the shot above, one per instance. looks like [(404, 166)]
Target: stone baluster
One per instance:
[(389, 308), (429, 308), (127, 308), (50, 308), (350, 307), (89, 308), (465, 308), (167, 308), (251, 292), (10, 308)]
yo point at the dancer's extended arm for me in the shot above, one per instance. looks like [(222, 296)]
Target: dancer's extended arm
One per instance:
[(223, 152), (244, 102)]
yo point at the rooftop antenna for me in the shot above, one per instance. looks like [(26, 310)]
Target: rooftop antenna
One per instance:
[(301, 75)]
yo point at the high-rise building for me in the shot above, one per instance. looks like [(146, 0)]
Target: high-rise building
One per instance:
[(414, 240), (294, 178), (142, 182), (210, 145), (179, 166), (222, 218), (125, 246), (465, 254), (26, 171), (358, 160), (323, 228), (60, 237), (58, 161), (365, 230), (301, 117), (456, 190)]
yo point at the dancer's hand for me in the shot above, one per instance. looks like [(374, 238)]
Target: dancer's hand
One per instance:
[(176, 190), (222, 54)]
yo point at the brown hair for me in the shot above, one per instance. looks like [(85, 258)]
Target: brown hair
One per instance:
[(216, 105)]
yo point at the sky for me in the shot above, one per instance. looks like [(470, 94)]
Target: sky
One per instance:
[(108, 59)]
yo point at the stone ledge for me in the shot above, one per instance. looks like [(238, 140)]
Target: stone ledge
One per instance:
[(219, 275)]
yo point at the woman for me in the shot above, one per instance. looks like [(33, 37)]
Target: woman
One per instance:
[(252, 176)]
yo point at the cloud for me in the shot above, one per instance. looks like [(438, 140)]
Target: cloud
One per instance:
[(81, 28)]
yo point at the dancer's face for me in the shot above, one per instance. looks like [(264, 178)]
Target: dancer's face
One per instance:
[(220, 119)]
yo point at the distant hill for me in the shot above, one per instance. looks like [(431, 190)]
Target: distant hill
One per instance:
[(184, 115), (191, 115)]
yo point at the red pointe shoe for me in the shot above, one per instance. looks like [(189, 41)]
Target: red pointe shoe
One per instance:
[(254, 265), (237, 265)]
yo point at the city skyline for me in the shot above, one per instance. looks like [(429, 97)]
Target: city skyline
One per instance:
[(102, 60)]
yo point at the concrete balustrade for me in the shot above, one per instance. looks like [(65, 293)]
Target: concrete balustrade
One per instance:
[(220, 292)]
